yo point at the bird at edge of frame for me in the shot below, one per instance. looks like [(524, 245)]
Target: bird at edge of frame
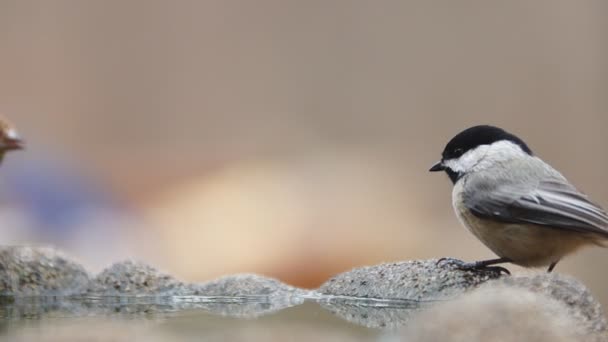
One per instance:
[(520, 207), (9, 139)]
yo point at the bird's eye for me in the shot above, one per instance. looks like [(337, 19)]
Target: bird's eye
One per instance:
[(458, 152)]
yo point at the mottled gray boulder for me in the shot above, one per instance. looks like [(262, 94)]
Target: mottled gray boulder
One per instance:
[(431, 300), (577, 301), (244, 295), (439, 301), (420, 280), (135, 278), (245, 285), (34, 271), (241, 295), (500, 313)]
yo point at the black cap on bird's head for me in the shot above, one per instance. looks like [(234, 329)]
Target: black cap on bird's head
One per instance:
[(470, 139)]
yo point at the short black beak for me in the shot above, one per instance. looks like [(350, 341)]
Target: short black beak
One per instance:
[(437, 167)]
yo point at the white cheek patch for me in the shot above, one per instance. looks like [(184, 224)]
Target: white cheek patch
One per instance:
[(484, 156), (467, 161)]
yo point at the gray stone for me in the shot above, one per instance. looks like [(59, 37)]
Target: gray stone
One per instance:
[(243, 295), (35, 271), (500, 313), (431, 300), (578, 302), (420, 280), (444, 301), (245, 285), (135, 278)]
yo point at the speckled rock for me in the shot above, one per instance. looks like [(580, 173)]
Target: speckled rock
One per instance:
[(499, 313), (243, 295), (412, 280), (31, 271), (578, 302), (245, 285), (458, 305), (135, 278)]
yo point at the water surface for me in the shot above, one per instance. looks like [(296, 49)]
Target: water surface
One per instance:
[(186, 318)]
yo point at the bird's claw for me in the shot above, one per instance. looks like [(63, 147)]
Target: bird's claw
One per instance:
[(497, 269), (472, 266), (449, 260)]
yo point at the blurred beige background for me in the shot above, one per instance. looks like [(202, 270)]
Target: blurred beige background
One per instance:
[(293, 138)]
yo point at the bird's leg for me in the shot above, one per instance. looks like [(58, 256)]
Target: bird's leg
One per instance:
[(552, 266), (477, 265)]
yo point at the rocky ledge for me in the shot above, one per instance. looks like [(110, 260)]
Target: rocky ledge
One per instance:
[(469, 304)]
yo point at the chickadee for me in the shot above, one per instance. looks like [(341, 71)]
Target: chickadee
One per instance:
[(517, 205)]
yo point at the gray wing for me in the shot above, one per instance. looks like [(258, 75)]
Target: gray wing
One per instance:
[(553, 203)]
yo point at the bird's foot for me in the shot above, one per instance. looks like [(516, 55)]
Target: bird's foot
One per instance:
[(473, 266)]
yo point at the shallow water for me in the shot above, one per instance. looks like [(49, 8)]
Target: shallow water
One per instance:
[(186, 318)]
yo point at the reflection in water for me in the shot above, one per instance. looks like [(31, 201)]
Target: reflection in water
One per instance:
[(240, 307), (187, 318), (373, 313), (366, 312)]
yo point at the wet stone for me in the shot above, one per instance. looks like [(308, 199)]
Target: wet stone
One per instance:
[(429, 300), (244, 295), (421, 280), (499, 312), (245, 285), (135, 278), (578, 302), (36, 271)]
